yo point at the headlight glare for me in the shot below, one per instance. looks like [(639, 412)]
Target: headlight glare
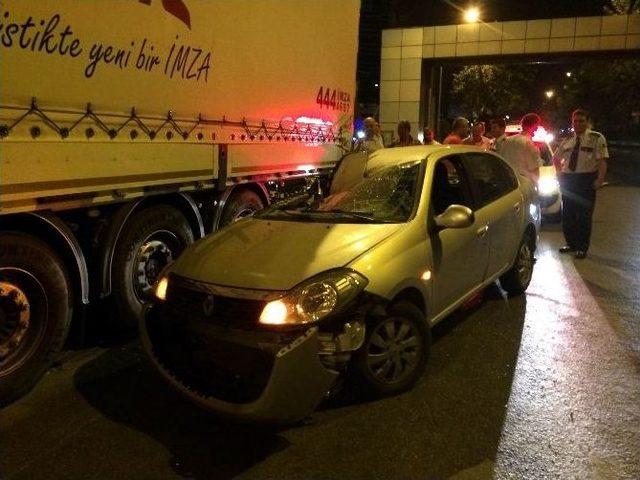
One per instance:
[(275, 313), (547, 186), (315, 299), (161, 288)]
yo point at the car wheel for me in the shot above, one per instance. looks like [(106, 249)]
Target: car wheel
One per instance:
[(516, 280), (35, 312), (395, 351)]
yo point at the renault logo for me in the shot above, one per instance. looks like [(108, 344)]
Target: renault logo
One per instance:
[(207, 305)]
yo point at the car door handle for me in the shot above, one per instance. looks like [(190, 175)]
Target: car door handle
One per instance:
[(516, 207), (482, 231)]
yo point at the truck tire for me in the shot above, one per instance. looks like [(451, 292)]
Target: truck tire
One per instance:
[(516, 280), (394, 353), (152, 239), (241, 204), (35, 312)]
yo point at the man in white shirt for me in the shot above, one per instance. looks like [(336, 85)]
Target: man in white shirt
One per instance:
[(429, 138), (497, 129), (477, 137), (372, 140), (581, 164), (520, 151)]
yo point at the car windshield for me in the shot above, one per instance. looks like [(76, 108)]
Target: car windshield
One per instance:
[(387, 195)]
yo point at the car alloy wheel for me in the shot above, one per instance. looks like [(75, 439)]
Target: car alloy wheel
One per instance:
[(524, 264), (394, 350)]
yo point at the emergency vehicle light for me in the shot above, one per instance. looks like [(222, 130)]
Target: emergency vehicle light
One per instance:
[(541, 135)]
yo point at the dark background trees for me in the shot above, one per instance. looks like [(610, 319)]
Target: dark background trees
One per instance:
[(609, 88)]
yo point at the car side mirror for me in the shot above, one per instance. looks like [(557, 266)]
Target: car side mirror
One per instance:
[(455, 216)]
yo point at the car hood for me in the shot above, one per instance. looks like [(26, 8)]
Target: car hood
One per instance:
[(277, 255)]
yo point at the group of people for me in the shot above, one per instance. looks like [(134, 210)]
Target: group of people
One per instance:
[(373, 140), (460, 134), (580, 162)]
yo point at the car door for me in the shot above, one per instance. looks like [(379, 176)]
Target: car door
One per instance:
[(459, 255), (499, 205)]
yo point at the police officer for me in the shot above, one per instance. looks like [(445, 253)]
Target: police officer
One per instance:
[(581, 163)]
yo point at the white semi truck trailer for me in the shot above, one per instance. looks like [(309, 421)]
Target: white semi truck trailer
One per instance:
[(131, 128)]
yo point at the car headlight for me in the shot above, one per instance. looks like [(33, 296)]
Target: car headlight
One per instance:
[(548, 186), (314, 299)]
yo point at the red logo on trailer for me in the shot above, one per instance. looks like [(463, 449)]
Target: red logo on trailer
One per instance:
[(177, 8)]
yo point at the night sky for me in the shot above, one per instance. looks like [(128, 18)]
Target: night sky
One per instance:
[(379, 14), (407, 13)]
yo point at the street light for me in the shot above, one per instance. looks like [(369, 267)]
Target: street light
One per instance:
[(569, 74), (472, 15), (549, 93)]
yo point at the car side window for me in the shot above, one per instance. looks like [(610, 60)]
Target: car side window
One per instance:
[(490, 177), (449, 185)]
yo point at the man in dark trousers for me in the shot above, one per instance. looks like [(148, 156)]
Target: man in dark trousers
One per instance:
[(581, 163)]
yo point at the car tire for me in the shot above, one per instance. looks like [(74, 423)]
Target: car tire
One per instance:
[(516, 280), (157, 234), (394, 353), (35, 309), (241, 204)]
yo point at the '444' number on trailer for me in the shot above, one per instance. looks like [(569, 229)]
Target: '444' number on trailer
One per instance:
[(333, 99)]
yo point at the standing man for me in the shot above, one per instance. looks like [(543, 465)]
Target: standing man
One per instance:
[(429, 137), (372, 140), (404, 135), (497, 127), (581, 164), (477, 137), (520, 151), (459, 130)]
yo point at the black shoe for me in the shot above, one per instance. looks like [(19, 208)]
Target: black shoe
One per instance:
[(580, 254), (566, 249)]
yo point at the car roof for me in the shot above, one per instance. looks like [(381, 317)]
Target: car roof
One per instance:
[(513, 128), (399, 155)]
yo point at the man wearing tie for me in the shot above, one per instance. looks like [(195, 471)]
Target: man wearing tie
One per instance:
[(581, 164)]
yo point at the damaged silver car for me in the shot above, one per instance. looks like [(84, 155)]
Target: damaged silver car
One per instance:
[(262, 319)]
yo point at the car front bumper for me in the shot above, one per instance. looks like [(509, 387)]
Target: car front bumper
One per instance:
[(256, 376)]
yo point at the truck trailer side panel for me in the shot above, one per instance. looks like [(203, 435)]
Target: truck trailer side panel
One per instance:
[(130, 128), (109, 75)]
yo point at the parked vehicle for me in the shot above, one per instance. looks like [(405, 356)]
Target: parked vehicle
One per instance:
[(260, 320), (129, 129)]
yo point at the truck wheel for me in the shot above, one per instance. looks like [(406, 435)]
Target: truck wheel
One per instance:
[(516, 280), (152, 239), (241, 204), (35, 312), (395, 351)]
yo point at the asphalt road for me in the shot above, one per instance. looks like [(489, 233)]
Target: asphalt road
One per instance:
[(545, 385)]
